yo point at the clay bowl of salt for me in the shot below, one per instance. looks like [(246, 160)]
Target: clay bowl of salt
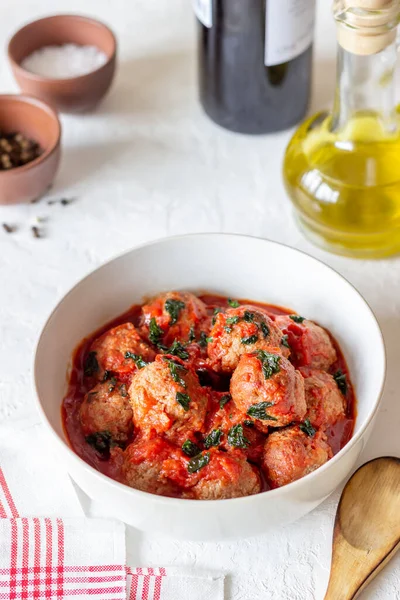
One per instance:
[(66, 60)]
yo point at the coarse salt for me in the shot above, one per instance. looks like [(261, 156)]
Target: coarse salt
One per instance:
[(64, 62)]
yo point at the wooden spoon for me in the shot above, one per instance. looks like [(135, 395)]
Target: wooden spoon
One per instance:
[(367, 528)]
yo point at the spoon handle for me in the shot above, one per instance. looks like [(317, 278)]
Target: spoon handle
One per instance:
[(353, 568)]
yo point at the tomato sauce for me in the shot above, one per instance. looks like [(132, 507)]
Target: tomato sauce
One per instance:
[(78, 385)]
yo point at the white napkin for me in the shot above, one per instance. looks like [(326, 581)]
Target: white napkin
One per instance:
[(48, 549)]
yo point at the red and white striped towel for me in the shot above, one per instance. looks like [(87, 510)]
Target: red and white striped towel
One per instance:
[(57, 556)]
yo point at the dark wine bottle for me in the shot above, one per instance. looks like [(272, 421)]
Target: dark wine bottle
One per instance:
[(255, 61)]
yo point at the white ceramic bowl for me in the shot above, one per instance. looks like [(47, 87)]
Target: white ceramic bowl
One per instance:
[(240, 267)]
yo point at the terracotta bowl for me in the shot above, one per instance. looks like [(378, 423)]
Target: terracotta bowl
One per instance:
[(39, 122), (75, 94)]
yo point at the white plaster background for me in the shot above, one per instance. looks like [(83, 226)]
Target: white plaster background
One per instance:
[(146, 164)]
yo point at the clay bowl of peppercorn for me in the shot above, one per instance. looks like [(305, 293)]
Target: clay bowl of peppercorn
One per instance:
[(66, 60), (30, 133)]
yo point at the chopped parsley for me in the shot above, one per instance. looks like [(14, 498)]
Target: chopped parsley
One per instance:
[(155, 332), (248, 423), (177, 349), (297, 318), (209, 340), (270, 363), (100, 441), (284, 341), (107, 375), (192, 335), (91, 365), (176, 370), (198, 462), (233, 303), (307, 428), (264, 329), (249, 316), (183, 400), (216, 313), (213, 438), (232, 320), (203, 339), (113, 383), (259, 411), (228, 329), (190, 449), (138, 360), (123, 390), (224, 400), (174, 307), (341, 381), (252, 339), (236, 437)]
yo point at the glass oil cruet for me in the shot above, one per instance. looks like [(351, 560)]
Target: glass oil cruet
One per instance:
[(342, 169)]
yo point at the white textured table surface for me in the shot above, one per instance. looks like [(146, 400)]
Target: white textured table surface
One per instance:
[(149, 164)]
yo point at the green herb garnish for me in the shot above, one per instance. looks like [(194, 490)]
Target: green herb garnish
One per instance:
[(213, 438), (107, 375), (224, 400), (176, 369), (155, 332), (264, 329), (233, 303), (270, 363), (284, 341), (192, 335), (258, 411), (198, 462), (174, 307), (249, 316), (113, 383), (248, 423), (183, 400), (100, 441), (252, 339), (138, 360), (216, 313), (307, 428), (341, 381), (232, 320), (91, 365), (190, 449), (209, 340), (237, 438), (297, 318), (202, 339), (177, 349)]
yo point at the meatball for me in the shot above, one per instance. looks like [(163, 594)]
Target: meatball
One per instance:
[(142, 465), (227, 475), (173, 316), (111, 350), (106, 408), (325, 402), (268, 389), (223, 420), (166, 397), (240, 331), (310, 345), (291, 453)]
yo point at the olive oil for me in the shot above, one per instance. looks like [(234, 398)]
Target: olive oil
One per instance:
[(342, 170), (346, 187)]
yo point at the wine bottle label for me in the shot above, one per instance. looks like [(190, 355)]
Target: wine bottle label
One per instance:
[(203, 10), (289, 29)]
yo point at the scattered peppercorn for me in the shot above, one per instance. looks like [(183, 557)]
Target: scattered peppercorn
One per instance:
[(9, 228), (36, 232)]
